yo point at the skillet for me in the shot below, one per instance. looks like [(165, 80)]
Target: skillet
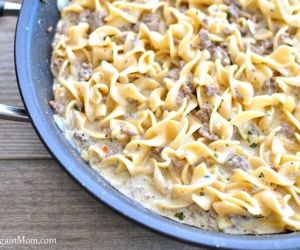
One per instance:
[(32, 60)]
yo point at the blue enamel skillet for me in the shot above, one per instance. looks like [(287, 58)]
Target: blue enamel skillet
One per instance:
[(32, 60)]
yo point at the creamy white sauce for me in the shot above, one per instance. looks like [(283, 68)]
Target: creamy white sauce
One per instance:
[(141, 189)]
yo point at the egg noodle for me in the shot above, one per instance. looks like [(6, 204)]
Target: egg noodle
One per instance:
[(198, 97)]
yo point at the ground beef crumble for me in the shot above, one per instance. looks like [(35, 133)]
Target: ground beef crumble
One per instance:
[(173, 74), (205, 42), (56, 64), (211, 90), (204, 113), (94, 19), (157, 150), (57, 107), (81, 136), (204, 116), (85, 71), (204, 131), (233, 10), (220, 51), (236, 11), (263, 47), (153, 21), (216, 50), (287, 130), (186, 91), (238, 162), (270, 86)]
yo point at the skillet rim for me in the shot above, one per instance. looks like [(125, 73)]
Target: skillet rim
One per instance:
[(118, 203)]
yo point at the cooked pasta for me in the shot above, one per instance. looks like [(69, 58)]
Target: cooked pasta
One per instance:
[(190, 107)]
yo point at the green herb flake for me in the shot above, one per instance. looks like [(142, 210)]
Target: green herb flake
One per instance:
[(253, 145), (76, 108), (249, 132), (216, 155), (180, 216), (261, 175), (202, 193), (206, 176)]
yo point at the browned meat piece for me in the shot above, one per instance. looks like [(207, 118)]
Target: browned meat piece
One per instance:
[(205, 43), (216, 50), (204, 131), (270, 86), (49, 29), (211, 90), (220, 51), (244, 30), (173, 74), (157, 150), (234, 9), (263, 47), (287, 130), (81, 136), (233, 2), (187, 90), (283, 37), (233, 12), (204, 113), (84, 16), (286, 38), (206, 21), (153, 21), (94, 19), (238, 162), (85, 71), (57, 107), (121, 39), (56, 64), (97, 19)]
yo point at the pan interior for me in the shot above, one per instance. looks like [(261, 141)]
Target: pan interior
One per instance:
[(32, 58)]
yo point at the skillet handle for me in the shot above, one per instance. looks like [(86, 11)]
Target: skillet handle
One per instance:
[(9, 9), (13, 113), (10, 112)]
